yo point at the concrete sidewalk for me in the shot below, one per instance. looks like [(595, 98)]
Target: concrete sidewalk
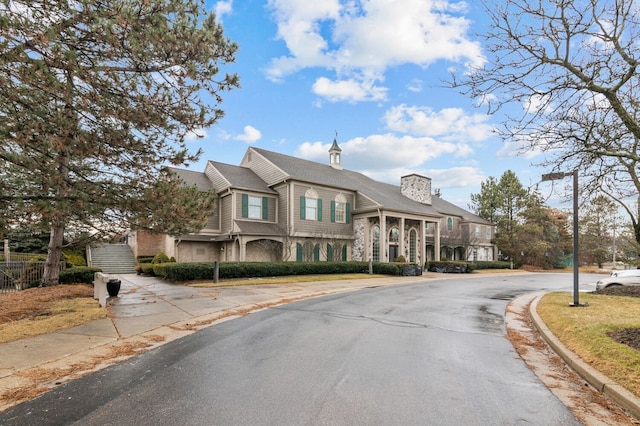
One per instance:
[(147, 313)]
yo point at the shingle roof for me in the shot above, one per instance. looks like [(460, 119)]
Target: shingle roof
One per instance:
[(241, 178), (199, 179), (448, 208), (386, 195), (259, 228)]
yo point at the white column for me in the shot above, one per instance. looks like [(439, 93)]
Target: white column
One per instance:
[(384, 245), (436, 239), (401, 238), (423, 242)]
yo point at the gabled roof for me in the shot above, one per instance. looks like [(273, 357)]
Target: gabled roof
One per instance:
[(385, 195), (240, 178), (199, 179), (448, 208)]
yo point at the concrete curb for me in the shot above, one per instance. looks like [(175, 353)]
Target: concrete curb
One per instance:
[(599, 381)]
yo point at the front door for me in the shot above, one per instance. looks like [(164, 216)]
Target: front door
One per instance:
[(393, 253)]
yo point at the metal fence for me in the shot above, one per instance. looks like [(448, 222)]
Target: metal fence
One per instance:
[(20, 275)]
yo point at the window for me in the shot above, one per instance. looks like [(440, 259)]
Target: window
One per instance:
[(412, 245), (376, 243), (477, 232), (394, 235), (488, 234), (255, 207), (311, 209), (449, 224), (340, 209), (310, 206)]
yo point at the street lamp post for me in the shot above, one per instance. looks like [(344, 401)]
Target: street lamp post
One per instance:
[(576, 266)]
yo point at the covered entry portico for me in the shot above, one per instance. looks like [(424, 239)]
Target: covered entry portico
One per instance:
[(389, 234)]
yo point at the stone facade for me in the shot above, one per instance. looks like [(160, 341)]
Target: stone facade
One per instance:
[(416, 187)]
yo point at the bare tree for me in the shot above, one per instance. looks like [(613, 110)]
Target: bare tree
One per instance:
[(570, 68)]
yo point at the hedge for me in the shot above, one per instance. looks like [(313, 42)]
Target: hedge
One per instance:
[(464, 267), (204, 271), (80, 274), (494, 264)]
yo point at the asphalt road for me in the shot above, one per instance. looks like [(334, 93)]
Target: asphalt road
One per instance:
[(433, 353)]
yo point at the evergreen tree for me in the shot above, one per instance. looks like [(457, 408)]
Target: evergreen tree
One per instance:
[(502, 202), (595, 230), (96, 98)]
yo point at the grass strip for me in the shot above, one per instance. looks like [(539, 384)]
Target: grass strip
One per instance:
[(585, 331)]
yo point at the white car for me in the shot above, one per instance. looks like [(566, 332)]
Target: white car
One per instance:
[(619, 280), (626, 273)]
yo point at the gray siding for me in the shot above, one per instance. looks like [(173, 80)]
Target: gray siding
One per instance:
[(364, 202), (271, 206), (323, 227), (225, 212), (263, 168), (283, 205), (213, 223), (218, 182)]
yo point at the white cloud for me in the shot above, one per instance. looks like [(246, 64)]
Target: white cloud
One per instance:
[(348, 90), (222, 8), (415, 86), (358, 41), (518, 148), (250, 135), (196, 134), (380, 153), (450, 124), (455, 177)]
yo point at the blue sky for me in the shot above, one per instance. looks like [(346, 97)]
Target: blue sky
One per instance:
[(372, 71)]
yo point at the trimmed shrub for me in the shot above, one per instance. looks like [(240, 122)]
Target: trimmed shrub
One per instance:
[(80, 274), (160, 269), (145, 259), (449, 266), (495, 264), (147, 268), (160, 258), (204, 271), (400, 259)]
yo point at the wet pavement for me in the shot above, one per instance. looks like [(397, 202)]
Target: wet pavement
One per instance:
[(149, 312)]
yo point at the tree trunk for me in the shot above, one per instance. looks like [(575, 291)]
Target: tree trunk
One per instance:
[(54, 254)]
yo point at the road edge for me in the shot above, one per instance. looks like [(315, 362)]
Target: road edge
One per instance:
[(599, 381)]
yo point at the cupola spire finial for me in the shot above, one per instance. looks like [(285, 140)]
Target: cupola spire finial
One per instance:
[(334, 154)]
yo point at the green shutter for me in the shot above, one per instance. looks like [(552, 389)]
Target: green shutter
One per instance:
[(329, 252), (344, 252), (347, 213), (319, 210), (298, 252), (265, 208), (316, 252), (245, 205), (302, 207), (333, 211)]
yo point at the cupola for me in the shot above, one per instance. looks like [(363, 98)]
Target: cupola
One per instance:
[(335, 154)]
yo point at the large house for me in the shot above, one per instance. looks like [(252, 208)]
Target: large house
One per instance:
[(273, 207)]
